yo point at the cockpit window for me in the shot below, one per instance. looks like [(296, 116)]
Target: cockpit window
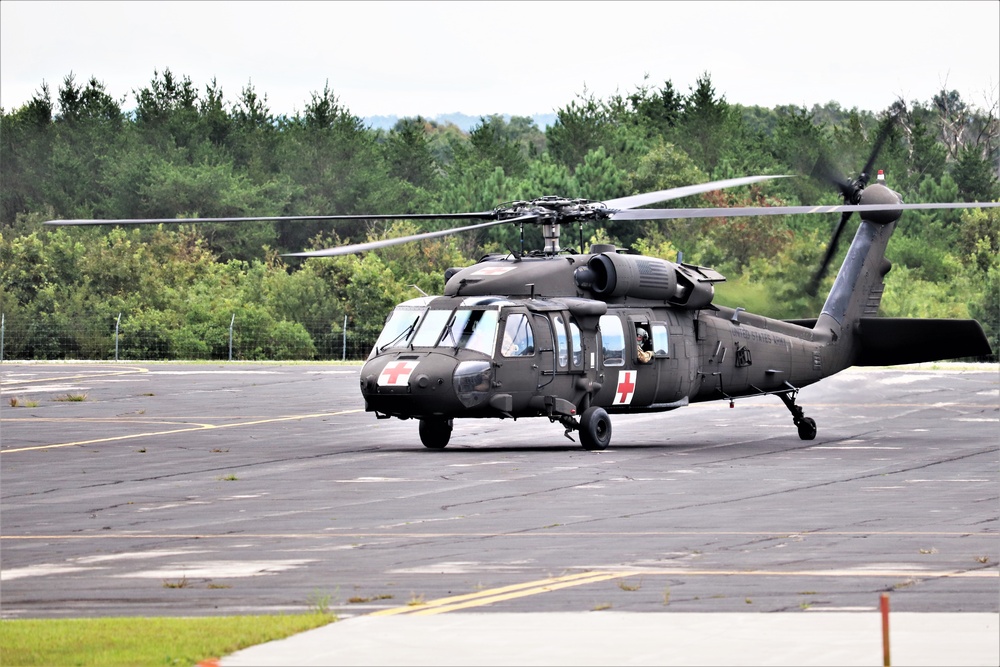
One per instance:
[(474, 330), (431, 328), (462, 328), (518, 340), (400, 325), (419, 326)]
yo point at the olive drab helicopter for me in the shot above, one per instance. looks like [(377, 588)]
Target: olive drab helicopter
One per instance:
[(577, 336)]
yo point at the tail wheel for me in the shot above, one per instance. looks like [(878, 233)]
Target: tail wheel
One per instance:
[(595, 429), (435, 433)]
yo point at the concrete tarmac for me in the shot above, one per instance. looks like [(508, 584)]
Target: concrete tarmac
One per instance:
[(206, 489), (839, 639)]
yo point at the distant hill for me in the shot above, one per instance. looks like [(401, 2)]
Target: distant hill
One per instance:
[(463, 121)]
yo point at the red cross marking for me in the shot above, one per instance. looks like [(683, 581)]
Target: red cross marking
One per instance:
[(393, 373), (626, 386)]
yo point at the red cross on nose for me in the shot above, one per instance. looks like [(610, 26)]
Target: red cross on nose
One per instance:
[(396, 373)]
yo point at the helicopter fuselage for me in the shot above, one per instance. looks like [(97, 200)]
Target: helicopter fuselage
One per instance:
[(496, 345)]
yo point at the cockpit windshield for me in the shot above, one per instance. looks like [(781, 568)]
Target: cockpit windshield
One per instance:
[(400, 325), (431, 328), (413, 326)]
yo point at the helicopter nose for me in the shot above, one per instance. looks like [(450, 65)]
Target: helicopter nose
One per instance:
[(421, 385)]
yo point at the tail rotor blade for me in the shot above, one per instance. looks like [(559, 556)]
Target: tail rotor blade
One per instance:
[(831, 250)]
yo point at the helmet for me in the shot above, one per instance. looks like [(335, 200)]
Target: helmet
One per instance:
[(641, 335)]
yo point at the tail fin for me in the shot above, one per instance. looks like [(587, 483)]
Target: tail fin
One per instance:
[(848, 322), (857, 289)]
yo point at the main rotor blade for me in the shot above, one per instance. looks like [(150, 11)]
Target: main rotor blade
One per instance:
[(749, 211), (385, 243), (480, 215), (634, 201)]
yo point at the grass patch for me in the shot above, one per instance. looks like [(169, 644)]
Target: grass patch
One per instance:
[(357, 599), (136, 642), (72, 398), (629, 587), (23, 403)]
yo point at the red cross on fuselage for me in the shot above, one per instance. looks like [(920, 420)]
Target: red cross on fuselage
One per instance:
[(393, 372), (626, 387)]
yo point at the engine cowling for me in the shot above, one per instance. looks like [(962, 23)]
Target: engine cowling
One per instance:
[(613, 276)]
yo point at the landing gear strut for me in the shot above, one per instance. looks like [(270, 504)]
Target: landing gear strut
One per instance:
[(805, 425)]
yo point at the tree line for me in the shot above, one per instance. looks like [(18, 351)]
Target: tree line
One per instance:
[(184, 152)]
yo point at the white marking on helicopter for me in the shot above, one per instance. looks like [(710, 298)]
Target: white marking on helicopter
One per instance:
[(626, 387), (493, 271), (396, 374)]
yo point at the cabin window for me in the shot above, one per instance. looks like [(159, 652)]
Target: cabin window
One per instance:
[(612, 341), (562, 347), (574, 336), (661, 346), (518, 340)]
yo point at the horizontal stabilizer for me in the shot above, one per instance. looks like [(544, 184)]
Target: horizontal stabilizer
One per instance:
[(888, 341)]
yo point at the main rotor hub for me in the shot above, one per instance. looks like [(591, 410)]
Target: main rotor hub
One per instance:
[(557, 210), (552, 212)]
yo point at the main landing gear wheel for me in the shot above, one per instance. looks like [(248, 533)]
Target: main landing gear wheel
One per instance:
[(435, 433), (595, 429), (805, 425), (807, 428)]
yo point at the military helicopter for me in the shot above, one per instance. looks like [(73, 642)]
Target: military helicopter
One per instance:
[(578, 336)]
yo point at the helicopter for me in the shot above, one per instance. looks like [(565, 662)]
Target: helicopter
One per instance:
[(577, 336)]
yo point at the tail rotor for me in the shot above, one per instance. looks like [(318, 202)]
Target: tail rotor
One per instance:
[(851, 191)]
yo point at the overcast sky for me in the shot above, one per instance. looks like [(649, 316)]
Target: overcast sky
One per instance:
[(522, 58)]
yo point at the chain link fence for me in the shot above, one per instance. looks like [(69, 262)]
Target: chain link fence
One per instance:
[(127, 339)]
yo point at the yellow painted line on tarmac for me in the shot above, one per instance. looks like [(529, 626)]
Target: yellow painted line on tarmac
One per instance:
[(197, 427), (598, 577), (491, 595)]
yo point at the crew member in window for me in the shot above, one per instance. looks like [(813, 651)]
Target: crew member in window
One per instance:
[(644, 351)]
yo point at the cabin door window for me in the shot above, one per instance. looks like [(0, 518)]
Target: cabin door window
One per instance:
[(612, 341)]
